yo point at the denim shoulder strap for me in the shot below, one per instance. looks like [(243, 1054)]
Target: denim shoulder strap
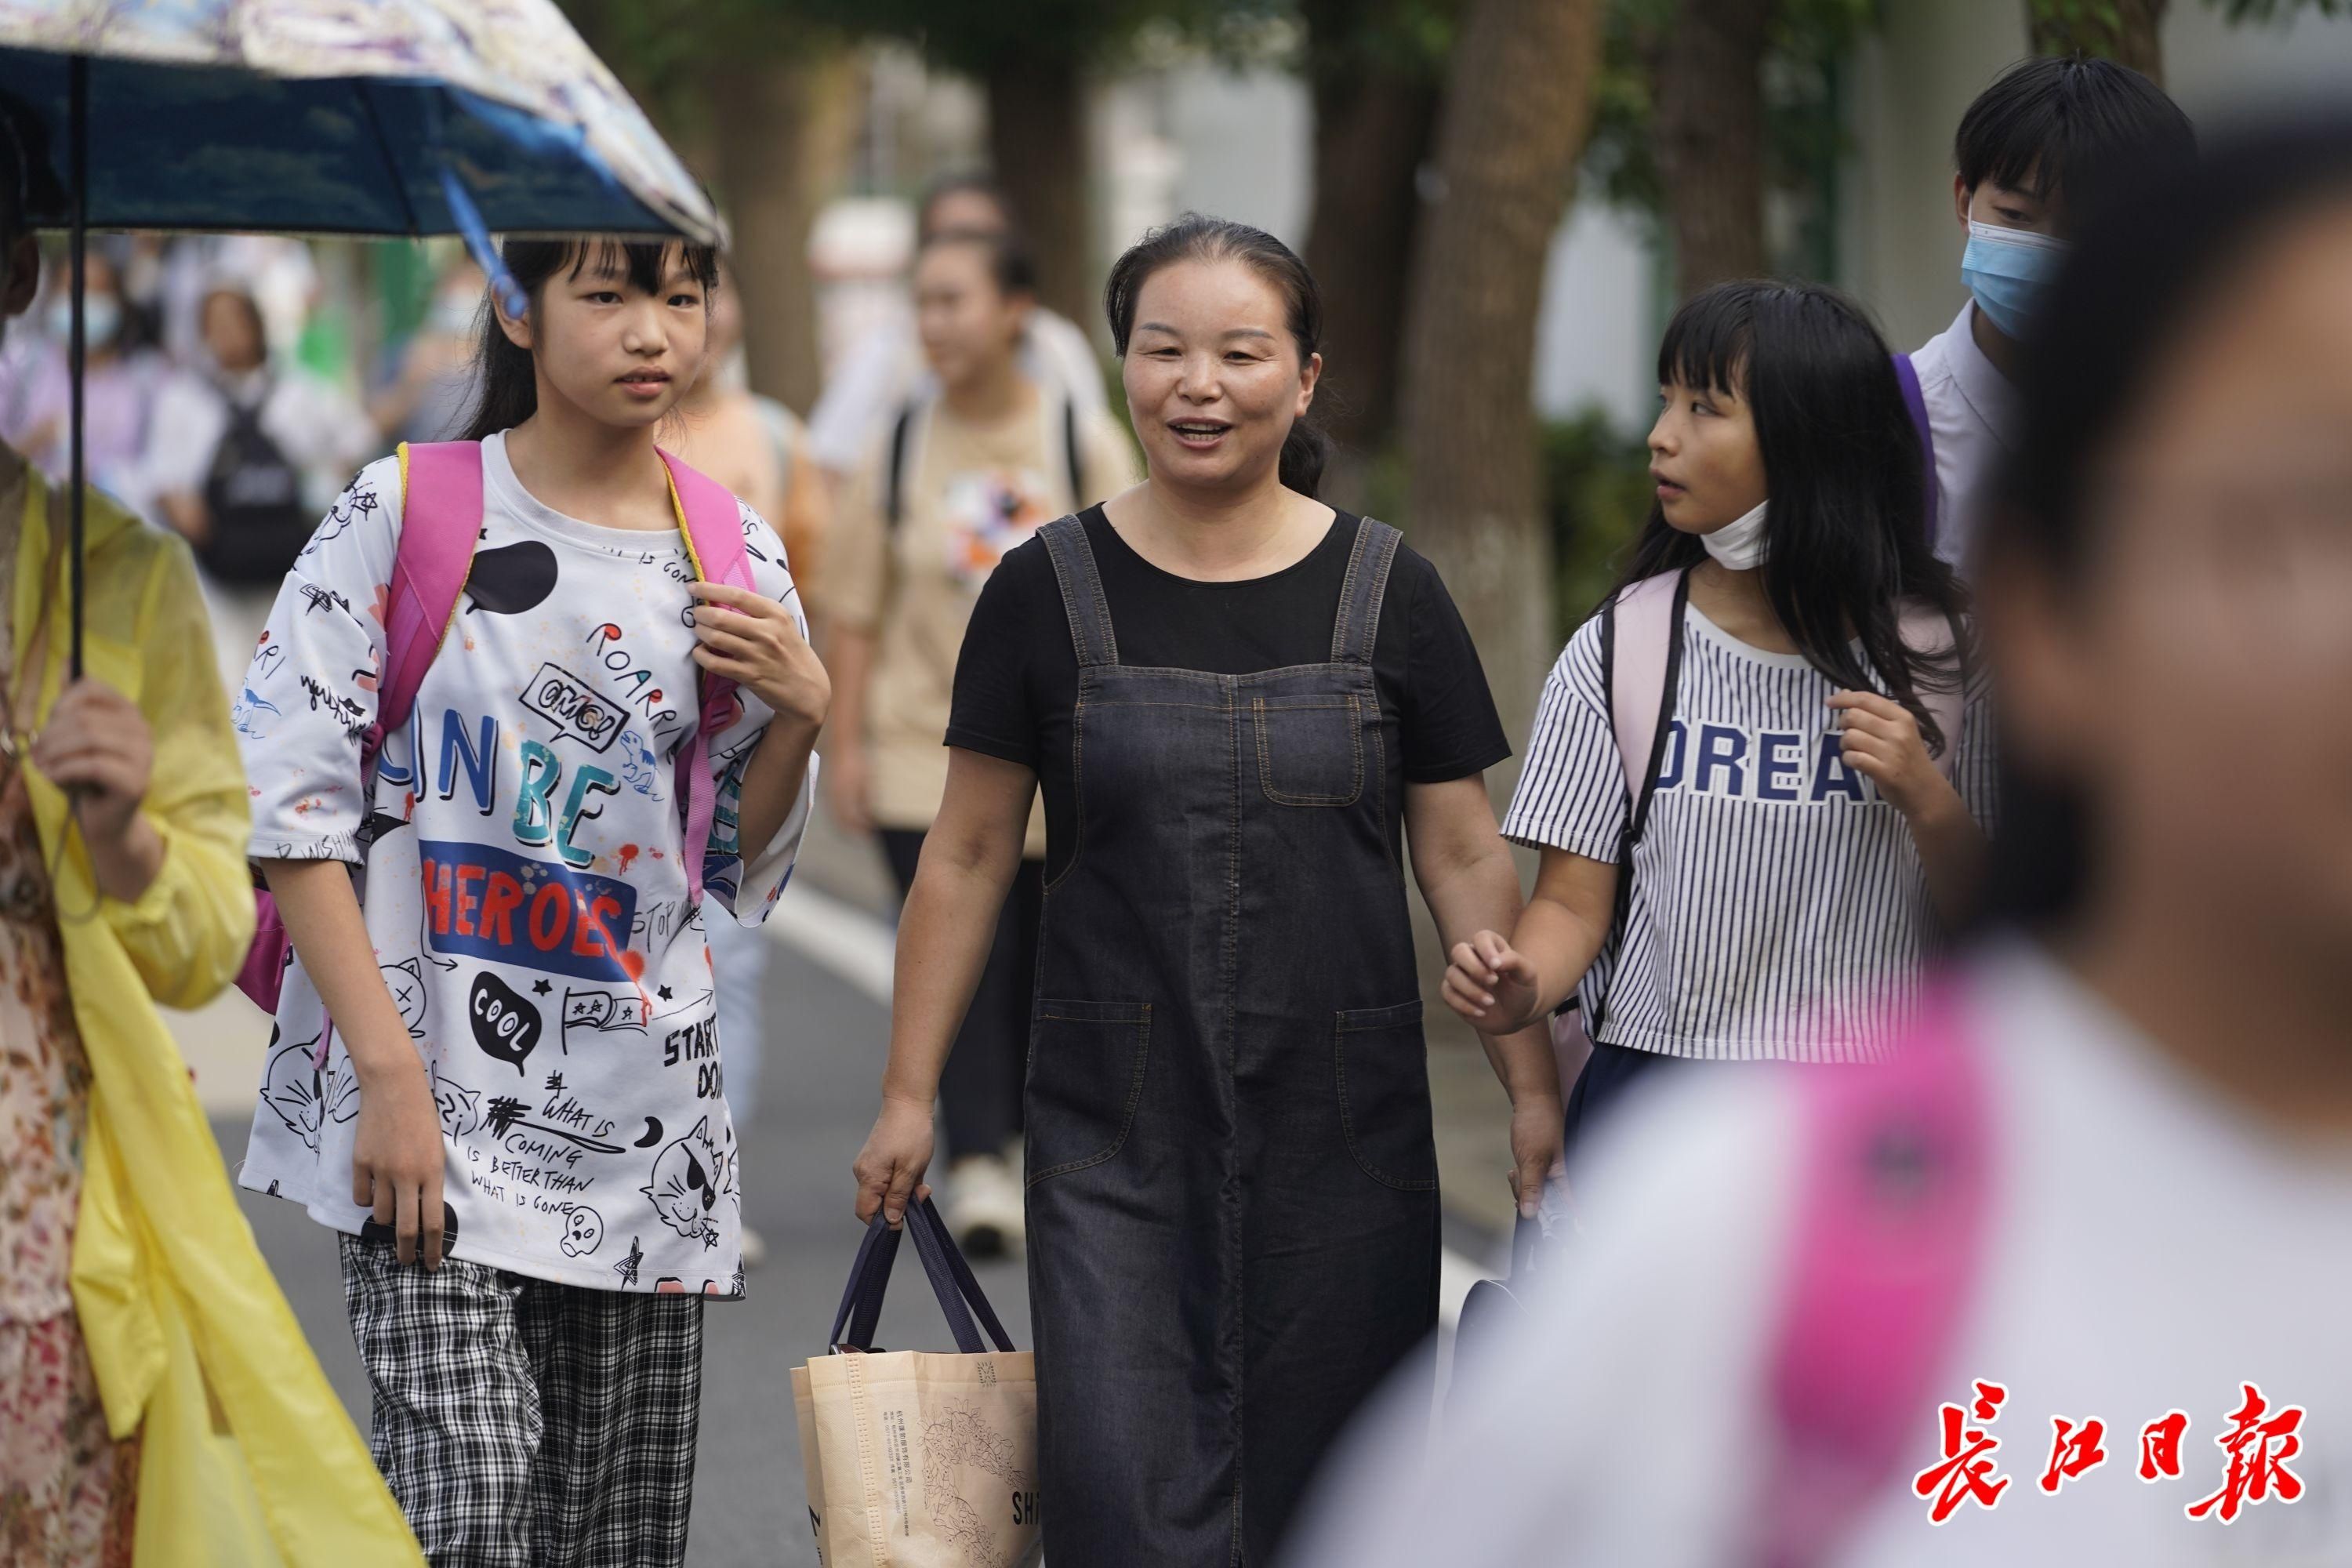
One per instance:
[(1082, 592), (1357, 626)]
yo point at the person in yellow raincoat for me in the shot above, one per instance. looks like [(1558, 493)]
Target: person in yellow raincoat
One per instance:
[(158, 1404)]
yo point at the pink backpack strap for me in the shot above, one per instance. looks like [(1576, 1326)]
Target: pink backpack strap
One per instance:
[(1641, 650), (440, 518), (1925, 629), (712, 523), (1895, 1188)]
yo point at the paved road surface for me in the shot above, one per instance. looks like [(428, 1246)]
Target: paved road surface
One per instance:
[(824, 1068)]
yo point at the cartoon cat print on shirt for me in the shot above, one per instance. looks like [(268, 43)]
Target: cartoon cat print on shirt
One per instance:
[(405, 981), (304, 1097), (687, 1181), (460, 1108)]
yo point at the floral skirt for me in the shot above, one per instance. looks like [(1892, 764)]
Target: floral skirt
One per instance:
[(68, 1493)]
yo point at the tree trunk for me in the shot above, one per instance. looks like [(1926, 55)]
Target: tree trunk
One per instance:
[(1372, 133), (2128, 32), (1710, 139), (1037, 146), (1518, 104), (787, 126)]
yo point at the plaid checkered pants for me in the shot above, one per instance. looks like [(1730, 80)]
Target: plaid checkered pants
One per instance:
[(524, 1423)]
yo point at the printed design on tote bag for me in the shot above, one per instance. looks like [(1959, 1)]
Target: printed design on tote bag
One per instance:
[(961, 1439)]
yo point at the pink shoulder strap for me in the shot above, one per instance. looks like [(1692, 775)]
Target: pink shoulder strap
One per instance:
[(1893, 1193), (440, 517), (713, 525), (1925, 629), (1641, 643)]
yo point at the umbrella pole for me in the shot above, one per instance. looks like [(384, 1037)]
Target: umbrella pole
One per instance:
[(78, 75)]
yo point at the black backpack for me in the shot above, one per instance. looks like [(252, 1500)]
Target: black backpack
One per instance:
[(254, 496)]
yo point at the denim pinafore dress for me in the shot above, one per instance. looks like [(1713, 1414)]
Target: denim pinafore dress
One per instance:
[(1231, 1183)]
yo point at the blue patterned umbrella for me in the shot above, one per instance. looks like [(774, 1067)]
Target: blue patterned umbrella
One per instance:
[(326, 117)]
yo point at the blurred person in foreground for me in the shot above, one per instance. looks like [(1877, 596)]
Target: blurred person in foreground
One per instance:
[(756, 447), (2045, 140), (157, 1401), (886, 367), (240, 455), (2153, 1215), (963, 474)]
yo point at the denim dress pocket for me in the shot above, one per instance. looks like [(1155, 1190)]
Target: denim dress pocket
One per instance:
[(1382, 1066), (1086, 1079), (1310, 749)]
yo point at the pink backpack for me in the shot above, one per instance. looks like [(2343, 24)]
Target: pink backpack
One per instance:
[(441, 507)]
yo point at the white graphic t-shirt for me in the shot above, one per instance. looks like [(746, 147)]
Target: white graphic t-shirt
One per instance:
[(522, 866)]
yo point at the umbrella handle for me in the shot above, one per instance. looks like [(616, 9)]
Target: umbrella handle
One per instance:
[(78, 80)]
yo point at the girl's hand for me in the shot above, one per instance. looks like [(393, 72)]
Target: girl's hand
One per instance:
[(1880, 740), (751, 640), (1492, 984), (96, 742), (1538, 1127), (890, 1168), (397, 1156)]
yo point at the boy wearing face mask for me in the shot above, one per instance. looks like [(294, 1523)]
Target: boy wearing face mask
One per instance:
[(2034, 150)]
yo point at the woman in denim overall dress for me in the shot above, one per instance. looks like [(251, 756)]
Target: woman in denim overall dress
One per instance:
[(1236, 697)]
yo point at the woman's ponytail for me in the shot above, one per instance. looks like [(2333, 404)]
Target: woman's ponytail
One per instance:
[(1304, 451)]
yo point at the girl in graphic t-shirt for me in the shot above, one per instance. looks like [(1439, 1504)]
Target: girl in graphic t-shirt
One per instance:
[(1809, 821), (494, 1068)]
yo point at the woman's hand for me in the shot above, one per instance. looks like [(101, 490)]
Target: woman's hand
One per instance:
[(890, 1168), (1881, 741), (97, 745), (396, 1154), (1493, 984), (848, 777), (754, 641)]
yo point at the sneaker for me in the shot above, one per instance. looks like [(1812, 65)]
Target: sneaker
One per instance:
[(985, 1207)]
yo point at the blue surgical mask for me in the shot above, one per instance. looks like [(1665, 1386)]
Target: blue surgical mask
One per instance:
[(102, 318), (2009, 271)]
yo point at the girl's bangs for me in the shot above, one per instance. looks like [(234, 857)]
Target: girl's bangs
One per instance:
[(644, 262), (1706, 344)]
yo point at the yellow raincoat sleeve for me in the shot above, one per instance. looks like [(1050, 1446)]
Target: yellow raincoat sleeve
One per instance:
[(247, 1456), (188, 933)]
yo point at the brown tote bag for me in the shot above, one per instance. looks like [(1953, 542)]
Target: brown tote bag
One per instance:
[(919, 1458)]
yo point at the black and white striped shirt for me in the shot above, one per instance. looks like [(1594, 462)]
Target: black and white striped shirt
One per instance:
[(1776, 897)]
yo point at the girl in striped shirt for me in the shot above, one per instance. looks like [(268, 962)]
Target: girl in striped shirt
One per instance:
[(1809, 821)]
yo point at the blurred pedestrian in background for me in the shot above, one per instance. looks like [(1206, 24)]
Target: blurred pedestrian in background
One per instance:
[(1239, 702), (883, 369), (2154, 1028), (977, 460), (755, 446), (241, 451), (123, 388), (2042, 145), (432, 382), (1807, 816)]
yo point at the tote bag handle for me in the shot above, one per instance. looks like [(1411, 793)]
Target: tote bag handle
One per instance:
[(952, 1283)]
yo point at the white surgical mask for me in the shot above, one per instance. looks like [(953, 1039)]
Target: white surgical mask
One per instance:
[(1738, 546)]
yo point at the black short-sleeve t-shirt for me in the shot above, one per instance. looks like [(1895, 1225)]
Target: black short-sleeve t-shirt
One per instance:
[(1016, 680)]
